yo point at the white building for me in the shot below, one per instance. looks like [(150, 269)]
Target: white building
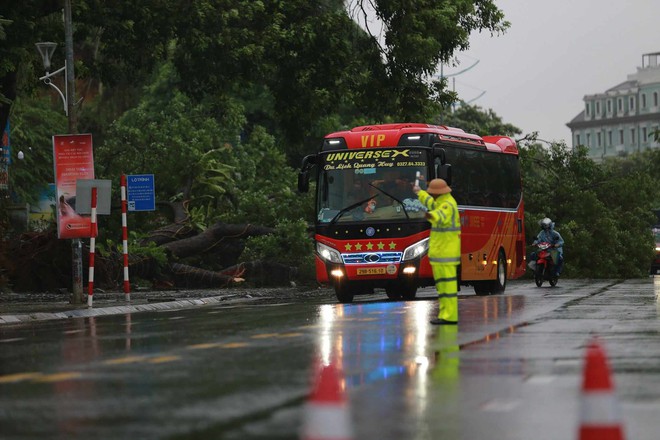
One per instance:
[(622, 120)]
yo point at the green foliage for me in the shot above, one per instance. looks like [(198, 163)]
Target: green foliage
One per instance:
[(603, 211), (121, 43), (33, 124), (149, 250), (217, 98), (174, 138), (291, 245), (265, 184), (417, 37)]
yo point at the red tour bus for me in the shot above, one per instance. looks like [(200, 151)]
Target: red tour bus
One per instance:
[(370, 229)]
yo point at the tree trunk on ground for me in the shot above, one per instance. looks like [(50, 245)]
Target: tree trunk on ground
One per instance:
[(185, 276), (180, 228), (169, 233), (212, 238), (264, 273), (42, 262)]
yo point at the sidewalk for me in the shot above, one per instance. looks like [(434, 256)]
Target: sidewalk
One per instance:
[(27, 307)]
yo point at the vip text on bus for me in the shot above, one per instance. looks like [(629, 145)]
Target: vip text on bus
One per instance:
[(370, 230)]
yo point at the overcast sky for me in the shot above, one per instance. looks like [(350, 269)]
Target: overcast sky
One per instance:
[(555, 52)]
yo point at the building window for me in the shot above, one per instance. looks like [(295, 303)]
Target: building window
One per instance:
[(655, 99), (621, 137), (577, 139), (631, 103), (643, 100), (632, 136), (609, 106), (619, 104), (609, 137), (643, 135), (597, 108), (598, 139), (588, 109), (588, 139)]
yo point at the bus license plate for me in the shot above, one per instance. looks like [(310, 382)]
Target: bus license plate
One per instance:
[(371, 271)]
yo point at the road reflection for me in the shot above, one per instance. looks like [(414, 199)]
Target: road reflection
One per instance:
[(445, 385), (80, 344), (374, 341), (414, 365), (477, 312), (371, 342)]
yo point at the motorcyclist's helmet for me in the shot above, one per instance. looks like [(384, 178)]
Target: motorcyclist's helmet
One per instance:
[(546, 223)]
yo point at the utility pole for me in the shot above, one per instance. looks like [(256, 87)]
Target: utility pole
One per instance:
[(46, 50), (76, 244), (453, 76), (70, 74)]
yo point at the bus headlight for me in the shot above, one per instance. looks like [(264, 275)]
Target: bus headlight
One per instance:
[(328, 253), (416, 250)]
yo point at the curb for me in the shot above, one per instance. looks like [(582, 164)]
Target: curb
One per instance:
[(118, 310)]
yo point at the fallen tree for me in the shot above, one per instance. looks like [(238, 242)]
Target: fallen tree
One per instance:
[(205, 259)]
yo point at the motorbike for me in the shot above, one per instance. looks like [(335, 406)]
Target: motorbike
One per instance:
[(544, 269)]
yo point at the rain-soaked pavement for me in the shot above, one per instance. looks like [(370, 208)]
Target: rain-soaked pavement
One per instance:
[(511, 370)]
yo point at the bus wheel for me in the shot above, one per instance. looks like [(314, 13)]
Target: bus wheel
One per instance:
[(499, 284), (344, 293), (401, 290), (481, 288), (393, 292), (408, 292)]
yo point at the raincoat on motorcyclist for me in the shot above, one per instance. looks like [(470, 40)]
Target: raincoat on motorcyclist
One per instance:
[(549, 235)]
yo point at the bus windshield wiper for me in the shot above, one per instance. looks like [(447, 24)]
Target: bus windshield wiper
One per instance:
[(348, 208), (393, 198)]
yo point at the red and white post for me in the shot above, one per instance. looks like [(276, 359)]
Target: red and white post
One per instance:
[(124, 236), (92, 246)]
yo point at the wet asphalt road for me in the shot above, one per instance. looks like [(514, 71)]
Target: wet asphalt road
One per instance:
[(512, 370)]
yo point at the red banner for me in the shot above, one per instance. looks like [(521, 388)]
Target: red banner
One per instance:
[(73, 159)]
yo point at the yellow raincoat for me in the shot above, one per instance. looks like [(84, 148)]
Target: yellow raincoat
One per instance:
[(444, 250)]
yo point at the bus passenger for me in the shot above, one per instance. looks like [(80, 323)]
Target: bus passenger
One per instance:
[(444, 246), (393, 184)]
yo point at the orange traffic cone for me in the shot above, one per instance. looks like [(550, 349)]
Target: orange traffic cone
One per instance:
[(326, 413), (600, 417)]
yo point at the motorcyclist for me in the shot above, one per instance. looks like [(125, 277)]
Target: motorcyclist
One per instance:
[(549, 235)]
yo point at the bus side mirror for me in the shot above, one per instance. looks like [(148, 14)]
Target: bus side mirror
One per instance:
[(438, 152), (444, 172), (303, 175), (303, 181)]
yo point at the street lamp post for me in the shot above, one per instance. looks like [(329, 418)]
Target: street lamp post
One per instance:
[(46, 50)]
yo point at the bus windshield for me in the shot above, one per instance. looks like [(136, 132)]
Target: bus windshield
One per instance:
[(368, 185)]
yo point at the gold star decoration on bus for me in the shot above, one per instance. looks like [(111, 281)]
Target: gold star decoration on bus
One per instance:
[(370, 246)]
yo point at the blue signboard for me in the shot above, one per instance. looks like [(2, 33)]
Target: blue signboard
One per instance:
[(140, 193)]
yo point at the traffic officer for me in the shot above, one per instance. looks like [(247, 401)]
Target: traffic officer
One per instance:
[(444, 246)]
